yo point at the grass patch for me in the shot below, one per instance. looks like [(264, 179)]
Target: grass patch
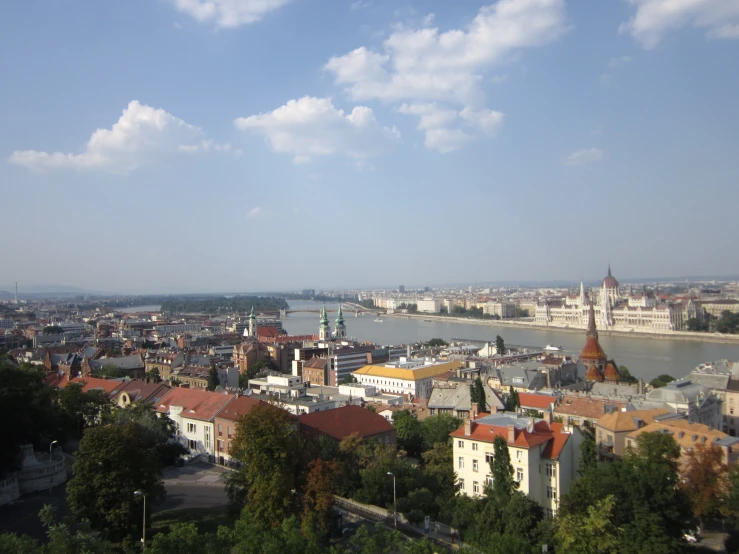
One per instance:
[(207, 519)]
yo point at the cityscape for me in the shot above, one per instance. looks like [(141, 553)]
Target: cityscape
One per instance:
[(369, 277)]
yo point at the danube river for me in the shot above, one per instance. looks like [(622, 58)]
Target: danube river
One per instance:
[(645, 357)]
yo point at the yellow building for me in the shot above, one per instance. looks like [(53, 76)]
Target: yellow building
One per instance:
[(412, 377)]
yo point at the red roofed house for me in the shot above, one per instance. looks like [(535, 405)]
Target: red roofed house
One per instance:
[(540, 402), (193, 412), (545, 458), (225, 425), (109, 386), (339, 423)]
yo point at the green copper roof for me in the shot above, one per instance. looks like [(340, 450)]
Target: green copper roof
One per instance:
[(324, 317), (340, 317), (251, 315)]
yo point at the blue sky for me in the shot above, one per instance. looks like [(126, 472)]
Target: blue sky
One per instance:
[(211, 145)]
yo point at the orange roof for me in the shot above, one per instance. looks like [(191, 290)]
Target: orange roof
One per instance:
[(629, 421), (538, 401), (195, 403), (593, 374), (267, 331), (339, 423), (585, 407), (549, 434), (611, 373), (238, 407), (90, 383), (592, 351)]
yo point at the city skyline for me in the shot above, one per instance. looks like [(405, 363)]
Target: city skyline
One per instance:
[(235, 145)]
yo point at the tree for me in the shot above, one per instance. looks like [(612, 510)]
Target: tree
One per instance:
[(153, 375), (705, 480), (347, 380), (512, 402), (318, 497), (435, 429), (111, 372), (84, 409), (268, 447), (477, 395), (436, 342), (661, 381), (626, 375), (590, 533), (159, 430), (439, 468), (500, 345), (695, 324), (409, 432), (111, 463), (212, 379), (502, 471), (588, 454)]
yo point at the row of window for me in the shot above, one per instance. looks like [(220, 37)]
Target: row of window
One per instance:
[(551, 469)]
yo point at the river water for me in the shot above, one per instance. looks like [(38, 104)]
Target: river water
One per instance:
[(645, 357)]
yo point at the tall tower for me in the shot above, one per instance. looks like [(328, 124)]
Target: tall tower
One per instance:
[(324, 333), (340, 327), (252, 323)]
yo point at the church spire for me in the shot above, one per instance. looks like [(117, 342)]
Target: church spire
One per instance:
[(340, 326), (324, 331), (609, 270), (592, 329)]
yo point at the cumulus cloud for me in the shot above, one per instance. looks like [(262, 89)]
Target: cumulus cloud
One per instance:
[(424, 66), (653, 18), (584, 156), (311, 127), (228, 13), (139, 133)]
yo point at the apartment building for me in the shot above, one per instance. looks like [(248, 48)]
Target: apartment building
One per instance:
[(412, 377)]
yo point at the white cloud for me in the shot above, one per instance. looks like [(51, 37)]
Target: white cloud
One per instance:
[(446, 140), (311, 127), (584, 156), (139, 133), (359, 5), (654, 18), (228, 13), (425, 66), (256, 213)]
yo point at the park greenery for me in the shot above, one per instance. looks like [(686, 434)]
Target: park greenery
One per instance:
[(661, 381), (436, 342), (222, 304)]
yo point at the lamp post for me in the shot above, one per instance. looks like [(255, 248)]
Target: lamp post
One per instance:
[(143, 527), (395, 504), (50, 447)]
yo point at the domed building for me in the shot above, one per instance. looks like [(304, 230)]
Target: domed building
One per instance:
[(610, 289)]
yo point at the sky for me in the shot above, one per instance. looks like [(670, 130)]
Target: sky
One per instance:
[(154, 146)]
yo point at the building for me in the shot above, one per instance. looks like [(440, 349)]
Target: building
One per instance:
[(346, 359), (349, 420), (545, 458), (340, 331), (324, 330), (576, 411), (137, 390), (197, 377), (611, 429), (696, 402), (716, 307), (454, 398), (193, 412), (165, 363), (225, 423), (132, 366), (429, 305), (316, 371), (599, 368), (613, 309), (411, 377)]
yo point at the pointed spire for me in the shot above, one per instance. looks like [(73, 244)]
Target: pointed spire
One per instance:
[(340, 317), (251, 314), (609, 270), (592, 329), (324, 317)]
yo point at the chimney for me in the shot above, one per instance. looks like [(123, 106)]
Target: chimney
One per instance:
[(474, 410), (511, 433), (548, 417), (467, 427)]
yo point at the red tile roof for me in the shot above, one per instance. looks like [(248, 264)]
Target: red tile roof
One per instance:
[(342, 422), (238, 407), (592, 351), (90, 383), (267, 331), (196, 403), (538, 401), (551, 435)]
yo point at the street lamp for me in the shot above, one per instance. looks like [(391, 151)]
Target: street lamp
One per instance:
[(143, 527), (50, 447), (395, 504)]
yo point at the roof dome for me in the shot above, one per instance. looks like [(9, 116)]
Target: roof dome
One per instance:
[(593, 374), (611, 373), (610, 281)]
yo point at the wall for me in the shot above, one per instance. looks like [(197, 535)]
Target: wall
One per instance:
[(9, 490)]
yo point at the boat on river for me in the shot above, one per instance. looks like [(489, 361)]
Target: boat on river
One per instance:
[(553, 348)]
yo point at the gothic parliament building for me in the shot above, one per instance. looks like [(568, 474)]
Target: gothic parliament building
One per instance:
[(613, 310)]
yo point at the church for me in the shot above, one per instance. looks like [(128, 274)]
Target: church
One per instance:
[(599, 368), (616, 310)]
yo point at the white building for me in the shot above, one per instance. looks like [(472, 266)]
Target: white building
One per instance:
[(697, 402), (545, 459), (429, 305), (192, 411), (412, 377)]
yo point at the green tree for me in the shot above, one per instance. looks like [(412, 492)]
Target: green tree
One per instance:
[(661, 381), (439, 470), (704, 479), (436, 342), (347, 380), (502, 470), (160, 431), (409, 432), (154, 376), (513, 401), (588, 454), (626, 375), (695, 324), (477, 395), (268, 481), (84, 409), (435, 429), (212, 379), (318, 497), (500, 345), (592, 532), (111, 463)]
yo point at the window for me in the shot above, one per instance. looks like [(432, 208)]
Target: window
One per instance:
[(461, 484), (474, 465), (489, 480), (552, 492), (207, 437), (192, 444), (220, 445), (488, 457), (220, 430), (475, 487), (519, 454), (474, 446), (229, 431), (549, 513), (519, 474), (461, 462), (192, 428), (551, 470), (460, 444)]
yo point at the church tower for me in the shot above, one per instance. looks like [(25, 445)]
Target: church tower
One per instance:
[(324, 333), (340, 326), (252, 323)]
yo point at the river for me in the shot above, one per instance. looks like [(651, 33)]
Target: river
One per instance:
[(645, 357)]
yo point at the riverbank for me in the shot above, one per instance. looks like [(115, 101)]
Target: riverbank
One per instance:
[(632, 333)]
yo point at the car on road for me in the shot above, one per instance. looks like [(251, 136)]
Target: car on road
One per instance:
[(690, 537)]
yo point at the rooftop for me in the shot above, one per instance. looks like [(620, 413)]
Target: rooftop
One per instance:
[(341, 422), (195, 403), (399, 370)]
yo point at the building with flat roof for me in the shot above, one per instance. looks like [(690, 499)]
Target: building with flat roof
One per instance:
[(412, 377)]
